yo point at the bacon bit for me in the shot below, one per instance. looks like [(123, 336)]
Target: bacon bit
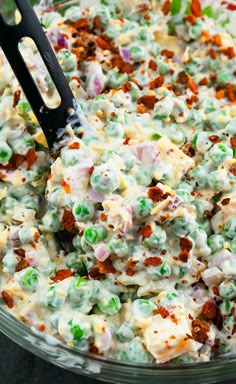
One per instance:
[(97, 22), (68, 220), (209, 310), (229, 52), (81, 24), (152, 65), (141, 109), (192, 85), (182, 77), (192, 99), (62, 274), (190, 316), (143, 8), (130, 271), (93, 349), (184, 255), (230, 92), (31, 158), (185, 243), (157, 82), (205, 37), (218, 320), (16, 98), (166, 7), (191, 19), (126, 141), (155, 312), (146, 231), (148, 101), (41, 328), (212, 53), (20, 252), (199, 330), (163, 312), (8, 299), (22, 265), (225, 201), (36, 237), (214, 138), (94, 273), (233, 142), (123, 66), (66, 187), (230, 6), (188, 150), (2, 175), (154, 261), (220, 94), (106, 266), (216, 290), (196, 8), (74, 145), (233, 330), (126, 87), (103, 44), (164, 252), (208, 214), (168, 54), (217, 40), (156, 194), (103, 217), (90, 171)]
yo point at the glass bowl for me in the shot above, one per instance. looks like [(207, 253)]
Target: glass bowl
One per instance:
[(52, 350)]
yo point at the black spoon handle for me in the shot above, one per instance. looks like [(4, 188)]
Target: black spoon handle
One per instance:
[(10, 35)]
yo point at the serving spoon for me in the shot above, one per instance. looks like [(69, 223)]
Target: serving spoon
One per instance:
[(51, 120)]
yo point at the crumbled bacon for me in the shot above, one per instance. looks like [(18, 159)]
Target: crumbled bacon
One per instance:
[(130, 271), (152, 65), (225, 201), (94, 273), (148, 101), (20, 252), (68, 220), (230, 92), (62, 274), (126, 141), (209, 310), (229, 52), (31, 158), (16, 98), (22, 265), (184, 256), (97, 22), (153, 261), (103, 217), (157, 82), (203, 81), (66, 187), (214, 138), (106, 266), (232, 169), (199, 330), (196, 8), (156, 194), (185, 243), (146, 231), (191, 19), (36, 237), (123, 66), (168, 54), (163, 312), (103, 44), (212, 53), (192, 85), (8, 299), (217, 40), (166, 7), (182, 77), (233, 142), (126, 87), (142, 8), (220, 94), (81, 24), (74, 145)]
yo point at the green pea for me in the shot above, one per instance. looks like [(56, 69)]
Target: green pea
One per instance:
[(104, 180), (79, 291), (77, 242), (231, 127), (67, 60), (230, 228), (31, 202), (180, 226), (198, 176), (163, 271), (164, 108), (50, 17), (52, 298), (143, 308), (5, 153), (216, 242), (10, 261), (175, 134), (28, 279), (219, 153), (24, 107), (143, 176), (47, 269), (73, 261), (71, 156), (136, 352), (114, 129), (225, 307), (129, 159), (157, 238), (143, 207), (233, 245), (216, 181), (119, 246), (76, 331), (137, 53), (51, 221), (192, 67), (143, 34), (195, 30), (227, 289), (125, 332), (184, 195), (109, 304), (116, 79), (224, 76), (26, 234), (83, 211)]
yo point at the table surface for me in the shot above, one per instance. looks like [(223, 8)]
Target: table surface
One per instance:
[(21, 367)]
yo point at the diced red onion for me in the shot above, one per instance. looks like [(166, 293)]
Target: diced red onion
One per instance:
[(102, 252)]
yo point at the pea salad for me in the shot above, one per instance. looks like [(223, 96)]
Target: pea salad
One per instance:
[(122, 243)]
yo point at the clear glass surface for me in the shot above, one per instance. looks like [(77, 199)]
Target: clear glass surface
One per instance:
[(50, 349)]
